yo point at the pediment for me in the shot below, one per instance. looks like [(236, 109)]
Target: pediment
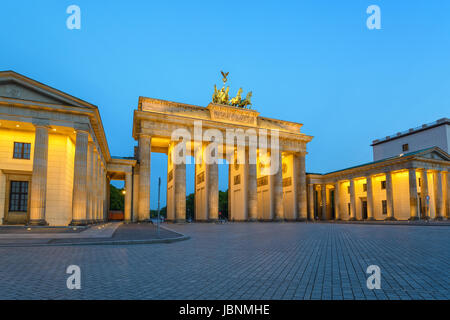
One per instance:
[(435, 154), (16, 86)]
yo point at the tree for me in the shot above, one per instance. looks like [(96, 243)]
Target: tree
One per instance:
[(223, 203), (117, 199), (190, 206)]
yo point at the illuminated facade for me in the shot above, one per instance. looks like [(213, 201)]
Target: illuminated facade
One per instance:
[(55, 166), (411, 186), (54, 158)]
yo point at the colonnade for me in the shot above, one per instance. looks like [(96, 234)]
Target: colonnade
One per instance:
[(252, 195), (401, 198), (89, 179), (89, 187)]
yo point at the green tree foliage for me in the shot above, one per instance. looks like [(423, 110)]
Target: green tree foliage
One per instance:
[(117, 199), (162, 213), (223, 204), (190, 200)]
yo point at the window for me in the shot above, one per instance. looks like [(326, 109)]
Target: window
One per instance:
[(420, 182), (405, 147), (383, 184), (349, 208), (348, 189), (18, 196), (22, 150), (365, 187), (384, 205)]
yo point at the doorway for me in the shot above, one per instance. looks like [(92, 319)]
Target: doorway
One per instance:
[(364, 208)]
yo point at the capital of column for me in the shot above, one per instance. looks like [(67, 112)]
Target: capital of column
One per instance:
[(38, 122), (81, 127)]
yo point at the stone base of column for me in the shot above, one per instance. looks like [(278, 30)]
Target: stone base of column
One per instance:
[(127, 221), (39, 222), (352, 219), (370, 219), (301, 219), (278, 219), (413, 218), (439, 218), (390, 219), (179, 221), (252, 220), (78, 223)]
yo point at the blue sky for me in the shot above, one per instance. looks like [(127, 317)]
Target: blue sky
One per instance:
[(313, 62)]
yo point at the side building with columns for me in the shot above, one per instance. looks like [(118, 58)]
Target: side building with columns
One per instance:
[(410, 186), (54, 156)]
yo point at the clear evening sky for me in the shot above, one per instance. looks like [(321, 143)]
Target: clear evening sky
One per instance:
[(313, 62)]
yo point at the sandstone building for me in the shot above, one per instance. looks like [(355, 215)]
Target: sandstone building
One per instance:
[(55, 166)]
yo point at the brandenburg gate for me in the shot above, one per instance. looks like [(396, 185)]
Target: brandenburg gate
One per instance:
[(266, 159)]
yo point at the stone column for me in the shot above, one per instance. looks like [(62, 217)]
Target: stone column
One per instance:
[(94, 182), (98, 186), (448, 193), (108, 196), (323, 190), (369, 198), (424, 193), (311, 201), (179, 172), (39, 177), (128, 194), (439, 196), (352, 200), (144, 177), (230, 217), (337, 190), (389, 197), (413, 202), (301, 188), (278, 189), (213, 190), (252, 188), (79, 203), (90, 172), (103, 193), (100, 190)]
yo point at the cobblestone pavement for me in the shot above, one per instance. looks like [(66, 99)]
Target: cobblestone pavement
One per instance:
[(242, 261)]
